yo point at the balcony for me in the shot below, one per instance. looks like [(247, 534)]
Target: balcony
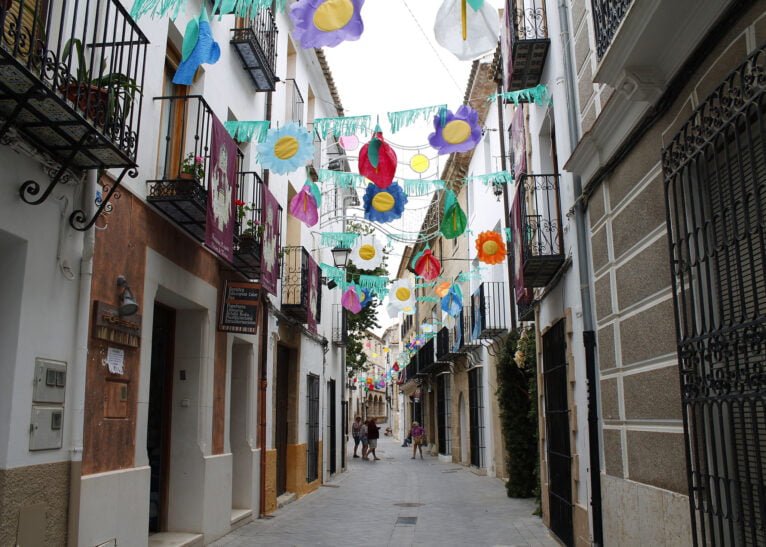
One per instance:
[(295, 102), (607, 17), (444, 346), (488, 315), (339, 327), (248, 233), (529, 46), (256, 43), (542, 251), (296, 297), (461, 339), (71, 80)]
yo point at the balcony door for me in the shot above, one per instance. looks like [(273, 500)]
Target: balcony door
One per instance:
[(172, 121)]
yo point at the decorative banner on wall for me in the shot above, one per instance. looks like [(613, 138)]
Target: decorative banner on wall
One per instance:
[(270, 256), (523, 294), (313, 294), (518, 143), (222, 184)]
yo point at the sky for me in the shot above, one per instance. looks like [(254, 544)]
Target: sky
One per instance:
[(398, 65)]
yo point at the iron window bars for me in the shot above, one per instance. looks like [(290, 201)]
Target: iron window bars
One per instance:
[(715, 196), (339, 326), (255, 40), (71, 80)]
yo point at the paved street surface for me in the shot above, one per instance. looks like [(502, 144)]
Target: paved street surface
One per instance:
[(400, 501)]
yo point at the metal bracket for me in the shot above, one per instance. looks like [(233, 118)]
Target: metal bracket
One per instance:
[(32, 187), (77, 219)]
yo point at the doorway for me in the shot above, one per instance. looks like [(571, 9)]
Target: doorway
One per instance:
[(282, 416), (557, 426), (158, 423), (331, 432), (476, 404), (312, 425), (241, 453), (463, 417)]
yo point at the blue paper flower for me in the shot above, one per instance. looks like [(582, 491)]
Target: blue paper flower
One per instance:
[(286, 149), (459, 132), (384, 204), (365, 297), (321, 23)]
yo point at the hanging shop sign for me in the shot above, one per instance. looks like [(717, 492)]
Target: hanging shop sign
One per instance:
[(239, 309), (110, 327)]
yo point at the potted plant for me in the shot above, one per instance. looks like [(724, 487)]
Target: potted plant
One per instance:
[(192, 168), (251, 230), (103, 99)]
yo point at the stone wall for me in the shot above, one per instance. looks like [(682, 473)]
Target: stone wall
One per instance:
[(46, 484)]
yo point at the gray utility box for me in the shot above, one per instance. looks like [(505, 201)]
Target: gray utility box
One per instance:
[(46, 428)]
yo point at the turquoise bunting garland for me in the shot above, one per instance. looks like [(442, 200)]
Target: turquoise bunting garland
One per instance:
[(254, 131), (338, 239), (241, 8), (421, 187), (342, 179), (405, 118), (246, 8), (377, 283), (538, 95), (434, 299), (156, 8), (342, 126), (501, 177)]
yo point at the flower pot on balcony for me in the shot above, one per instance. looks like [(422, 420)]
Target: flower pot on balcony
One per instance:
[(247, 243), (91, 100)]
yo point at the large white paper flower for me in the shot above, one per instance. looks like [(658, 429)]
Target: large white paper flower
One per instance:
[(402, 295), (392, 310), (367, 254)]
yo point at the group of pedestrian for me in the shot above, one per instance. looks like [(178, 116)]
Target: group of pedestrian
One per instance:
[(367, 433)]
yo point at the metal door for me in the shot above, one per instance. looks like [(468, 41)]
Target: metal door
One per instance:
[(559, 454), (476, 416), (312, 426), (331, 430), (715, 195)]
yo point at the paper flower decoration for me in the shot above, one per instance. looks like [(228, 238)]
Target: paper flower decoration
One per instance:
[(396, 366), (304, 206), (491, 248), (456, 132), (454, 221), (365, 297), (402, 295), (198, 47), (442, 289), (428, 266), (384, 205), (286, 149), (377, 160), (326, 23), (468, 31), (392, 310), (367, 254), (452, 303), (350, 300)]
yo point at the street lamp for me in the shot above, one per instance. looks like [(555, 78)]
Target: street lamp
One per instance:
[(340, 256)]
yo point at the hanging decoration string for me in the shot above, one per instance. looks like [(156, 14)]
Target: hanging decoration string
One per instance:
[(501, 177), (251, 131), (342, 179), (405, 118), (538, 95), (156, 8), (421, 187), (344, 125), (246, 8), (338, 239)]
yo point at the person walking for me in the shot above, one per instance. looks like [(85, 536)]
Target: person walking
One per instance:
[(417, 433), (363, 439), (373, 434), (356, 432)]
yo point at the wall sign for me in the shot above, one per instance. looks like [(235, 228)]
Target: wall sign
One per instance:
[(109, 326), (239, 309)]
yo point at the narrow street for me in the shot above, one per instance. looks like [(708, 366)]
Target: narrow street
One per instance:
[(400, 501)]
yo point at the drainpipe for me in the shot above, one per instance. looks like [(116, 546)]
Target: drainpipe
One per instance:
[(78, 371), (504, 167), (583, 262)]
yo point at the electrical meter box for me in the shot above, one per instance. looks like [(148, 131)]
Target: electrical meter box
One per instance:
[(46, 427), (50, 381)]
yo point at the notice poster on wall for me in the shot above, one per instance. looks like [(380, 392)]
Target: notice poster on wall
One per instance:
[(239, 309), (222, 185), (270, 220), (314, 288)]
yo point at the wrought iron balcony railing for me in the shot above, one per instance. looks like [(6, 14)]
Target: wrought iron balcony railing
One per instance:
[(607, 17), (488, 315), (256, 43), (296, 292), (295, 102), (339, 326), (71, 80), (529, 46), (248, 234), (542, 243)]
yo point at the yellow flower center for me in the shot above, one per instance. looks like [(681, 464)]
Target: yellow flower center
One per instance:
[(367, 252), (456, 131), (403, 294), (419, 163), (333, 15), (383, 202), (286, 147), (490, 248)]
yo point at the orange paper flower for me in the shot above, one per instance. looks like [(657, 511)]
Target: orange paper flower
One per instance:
[(491, 248), (442, 289)]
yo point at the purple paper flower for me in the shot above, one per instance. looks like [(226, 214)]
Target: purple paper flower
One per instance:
[(459, 132), (326, 23)]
